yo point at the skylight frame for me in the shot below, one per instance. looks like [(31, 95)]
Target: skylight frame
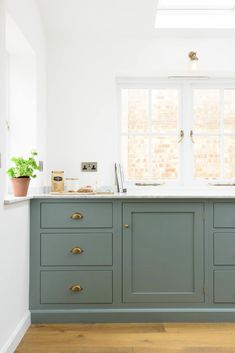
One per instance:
[(195, 17), (196, 5)]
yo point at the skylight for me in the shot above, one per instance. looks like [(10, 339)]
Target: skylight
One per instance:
[(196, 4), (195, 14)]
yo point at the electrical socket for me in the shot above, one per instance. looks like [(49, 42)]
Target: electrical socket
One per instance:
[(89, 166)]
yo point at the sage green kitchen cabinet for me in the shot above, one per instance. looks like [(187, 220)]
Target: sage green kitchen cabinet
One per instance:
[(224, 283), (87, 287), (163, 252), (89, 215), (132, 260), (224, 214), (224, 249), (81, 249)]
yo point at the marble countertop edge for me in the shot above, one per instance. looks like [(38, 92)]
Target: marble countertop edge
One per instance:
[(221, 193)]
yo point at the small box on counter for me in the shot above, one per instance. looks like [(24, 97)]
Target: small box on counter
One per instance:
[(57, 181)]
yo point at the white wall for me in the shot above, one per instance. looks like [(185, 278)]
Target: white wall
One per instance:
[(22, 100), (14, 219), (26, 15), (82, 96), (14, 273)]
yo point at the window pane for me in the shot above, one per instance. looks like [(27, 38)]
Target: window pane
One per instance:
[(165, 106), (135, 110), (206, 110), (165, 158), (206, 157), (229, 110), (137, 157), (229, 157)]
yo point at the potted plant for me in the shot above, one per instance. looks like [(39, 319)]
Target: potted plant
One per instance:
[(21, 173)]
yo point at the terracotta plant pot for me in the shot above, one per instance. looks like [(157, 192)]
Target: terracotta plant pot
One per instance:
[(20, 186)]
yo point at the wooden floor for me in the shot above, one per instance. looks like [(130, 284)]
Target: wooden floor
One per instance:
[(129, 338)]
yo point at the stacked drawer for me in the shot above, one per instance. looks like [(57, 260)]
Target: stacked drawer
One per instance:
[(224, 252), (74, 237)]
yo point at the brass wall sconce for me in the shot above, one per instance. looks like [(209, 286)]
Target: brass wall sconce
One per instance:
[(193, 60), (193, 55)]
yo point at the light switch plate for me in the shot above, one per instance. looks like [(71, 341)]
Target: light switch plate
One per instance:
[(89, 166), (40, 164)]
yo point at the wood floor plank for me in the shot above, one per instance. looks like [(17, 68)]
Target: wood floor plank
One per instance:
[(75, 350), (129, 338)]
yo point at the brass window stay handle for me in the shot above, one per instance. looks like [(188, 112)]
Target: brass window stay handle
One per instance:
[(181, 136), (191, 136)]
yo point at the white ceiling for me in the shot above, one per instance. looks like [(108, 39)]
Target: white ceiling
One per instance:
[(99, 16), (79, 18)]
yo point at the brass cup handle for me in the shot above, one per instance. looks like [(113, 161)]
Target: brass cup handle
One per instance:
[(76, 216), (76, 288), (77, 250)]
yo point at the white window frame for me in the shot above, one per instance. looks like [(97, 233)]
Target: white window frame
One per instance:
[(186, 87)]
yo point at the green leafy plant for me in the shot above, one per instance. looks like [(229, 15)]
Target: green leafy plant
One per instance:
[(24, 168)]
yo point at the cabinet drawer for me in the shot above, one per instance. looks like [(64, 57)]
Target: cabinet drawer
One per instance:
[(224, 215), (224, 286), (224, 248), (76, 249), (56, 287), (86, 214)]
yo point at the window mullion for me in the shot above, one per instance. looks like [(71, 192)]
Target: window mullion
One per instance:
[(187, 150)]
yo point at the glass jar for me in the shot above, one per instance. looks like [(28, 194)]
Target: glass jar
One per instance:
[(72, 184)]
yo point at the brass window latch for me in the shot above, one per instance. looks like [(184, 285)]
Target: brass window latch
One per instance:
[(191, 136), (181, 136)]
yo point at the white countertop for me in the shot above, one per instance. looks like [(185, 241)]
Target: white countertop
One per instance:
[(212, 192)]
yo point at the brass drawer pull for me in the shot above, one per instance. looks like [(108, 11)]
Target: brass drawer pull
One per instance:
[(126, 226), (76, 216), (76, 288), (77, 250)]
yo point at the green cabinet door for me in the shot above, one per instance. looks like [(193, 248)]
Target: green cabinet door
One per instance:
[(163, 252)]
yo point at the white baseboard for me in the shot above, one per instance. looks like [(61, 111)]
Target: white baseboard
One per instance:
[(17, 335)]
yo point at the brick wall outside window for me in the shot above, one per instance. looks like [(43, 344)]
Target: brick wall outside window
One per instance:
[(150, 122)]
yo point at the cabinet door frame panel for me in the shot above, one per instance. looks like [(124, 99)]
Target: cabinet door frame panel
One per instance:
[(197, 295)]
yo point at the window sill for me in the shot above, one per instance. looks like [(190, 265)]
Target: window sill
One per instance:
[(9, 199)]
